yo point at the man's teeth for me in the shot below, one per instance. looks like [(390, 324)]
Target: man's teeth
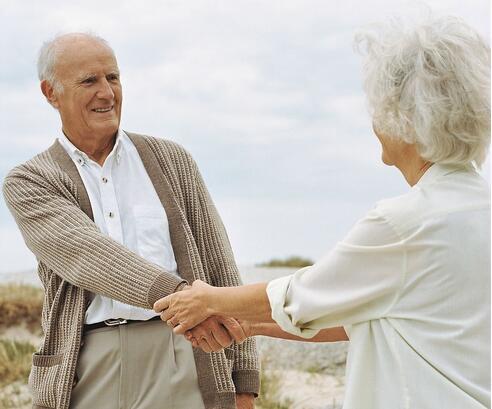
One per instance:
[(102, 109)]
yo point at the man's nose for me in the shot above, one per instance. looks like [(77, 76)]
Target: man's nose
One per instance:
[(105, 91)]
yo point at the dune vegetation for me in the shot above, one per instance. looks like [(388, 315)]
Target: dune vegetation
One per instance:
[(290, 262), (20, 304), (15, 361), (20, 312)]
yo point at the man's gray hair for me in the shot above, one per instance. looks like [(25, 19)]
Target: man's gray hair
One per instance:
[(430, 85), (49, 52)]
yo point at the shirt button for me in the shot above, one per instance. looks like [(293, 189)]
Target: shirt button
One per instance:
[(105, 180), (111, 214)]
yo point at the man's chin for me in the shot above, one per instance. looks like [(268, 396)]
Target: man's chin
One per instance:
[(106, 128)]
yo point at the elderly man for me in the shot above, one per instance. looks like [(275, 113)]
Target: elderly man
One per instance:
[(117, 221)]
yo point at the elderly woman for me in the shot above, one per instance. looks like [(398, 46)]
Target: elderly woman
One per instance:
[(409, 285)]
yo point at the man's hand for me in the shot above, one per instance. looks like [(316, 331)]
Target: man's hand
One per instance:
[(210, 335), (239, 334), (216, 333), (185, 309), (245, 401)]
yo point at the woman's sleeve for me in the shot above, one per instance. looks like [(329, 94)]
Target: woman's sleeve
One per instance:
[(358, 280)]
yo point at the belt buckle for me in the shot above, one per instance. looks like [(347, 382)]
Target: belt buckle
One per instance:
[(113, 322)]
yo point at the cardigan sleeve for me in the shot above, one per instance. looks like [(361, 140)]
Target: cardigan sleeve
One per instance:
[(63, 237)]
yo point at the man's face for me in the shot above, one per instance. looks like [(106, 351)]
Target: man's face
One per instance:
[(90, 103)]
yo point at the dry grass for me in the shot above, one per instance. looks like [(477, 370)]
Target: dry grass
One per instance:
[(20, 304), (270, 390), (15, 396), (15, 361)]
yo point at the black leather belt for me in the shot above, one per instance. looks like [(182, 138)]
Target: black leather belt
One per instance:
[(115, 322)]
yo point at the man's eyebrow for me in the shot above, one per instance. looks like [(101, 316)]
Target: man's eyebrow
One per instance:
[(85, 77), (88, 76)]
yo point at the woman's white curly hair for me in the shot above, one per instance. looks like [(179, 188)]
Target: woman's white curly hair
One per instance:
[(429, 85)]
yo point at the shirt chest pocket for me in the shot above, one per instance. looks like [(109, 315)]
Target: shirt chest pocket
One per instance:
[(152, 236)]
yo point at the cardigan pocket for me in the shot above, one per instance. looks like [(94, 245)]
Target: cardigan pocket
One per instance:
[(43, 379)]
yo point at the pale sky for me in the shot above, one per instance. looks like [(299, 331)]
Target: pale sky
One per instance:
[(266, 95)]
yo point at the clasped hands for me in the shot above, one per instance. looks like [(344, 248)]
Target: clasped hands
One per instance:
[(190, 313)]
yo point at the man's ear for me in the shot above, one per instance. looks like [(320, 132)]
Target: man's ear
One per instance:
[(49, 92)]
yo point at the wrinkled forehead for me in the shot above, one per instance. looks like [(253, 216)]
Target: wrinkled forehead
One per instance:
[(78, 53)]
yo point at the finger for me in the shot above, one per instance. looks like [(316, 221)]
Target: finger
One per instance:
[(186, 324), (214, 345), (197, 332), (193, 334), (181, 328), (191, 339), (221, 336), (203, 344), (163, 303), (164, 318), (205, 333), (167, 315), (211, 342), (234, 329)]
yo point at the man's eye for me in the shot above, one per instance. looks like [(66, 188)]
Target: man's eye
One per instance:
[(113, 77), (90, 80)]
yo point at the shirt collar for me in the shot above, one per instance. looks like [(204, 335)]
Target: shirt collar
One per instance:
[(437, 170), (82, 158)]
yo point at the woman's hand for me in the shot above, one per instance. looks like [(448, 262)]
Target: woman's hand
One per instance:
[(185, 309)]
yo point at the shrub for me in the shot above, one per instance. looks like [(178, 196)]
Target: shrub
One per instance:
[(20, 303), (291, 262)]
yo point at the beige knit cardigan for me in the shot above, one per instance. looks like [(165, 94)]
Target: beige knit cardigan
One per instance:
[(51, 207)]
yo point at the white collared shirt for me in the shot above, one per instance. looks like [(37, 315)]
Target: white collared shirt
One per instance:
[(126, 208), (411, 285)]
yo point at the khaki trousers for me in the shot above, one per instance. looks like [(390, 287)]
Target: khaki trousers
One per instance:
[(137, 366)]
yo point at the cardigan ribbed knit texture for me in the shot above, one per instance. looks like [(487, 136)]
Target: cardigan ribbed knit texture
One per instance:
[(52, 209)]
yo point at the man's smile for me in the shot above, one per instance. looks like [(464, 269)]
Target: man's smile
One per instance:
[(105, 109)]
